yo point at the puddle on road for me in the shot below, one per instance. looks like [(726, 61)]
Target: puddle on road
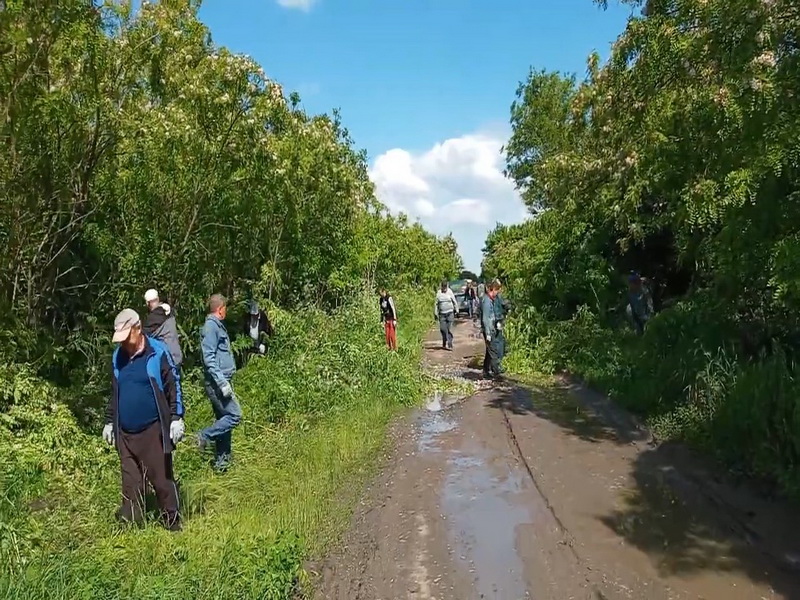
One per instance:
[(483, 521), (478, 505), (435, 420)]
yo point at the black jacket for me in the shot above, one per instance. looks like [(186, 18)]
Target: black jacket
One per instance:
[(264, 325), (161, 325), (388, 311)]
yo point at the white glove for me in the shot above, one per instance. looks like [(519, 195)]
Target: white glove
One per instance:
[(176, 431), (108, 433), (499, 327), (262, 348), (395, 323), (488, 339), (226, 389)]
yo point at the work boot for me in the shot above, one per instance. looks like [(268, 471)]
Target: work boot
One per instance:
[(172, 522), (222, 463)]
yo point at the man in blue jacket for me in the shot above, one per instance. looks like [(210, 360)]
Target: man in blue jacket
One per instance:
[(144, 418), (219, 369), (488, 316)]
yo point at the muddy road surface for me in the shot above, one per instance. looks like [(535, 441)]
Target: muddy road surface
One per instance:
[(551, 492)]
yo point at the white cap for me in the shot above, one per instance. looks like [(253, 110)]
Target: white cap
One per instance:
[(150, 295)]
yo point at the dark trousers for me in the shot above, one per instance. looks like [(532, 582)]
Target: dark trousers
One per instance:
[(142, 459), (446, 329), (501, 348), (492, 357)]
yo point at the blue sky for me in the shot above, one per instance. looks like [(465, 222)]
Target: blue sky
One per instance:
[(424, 86)]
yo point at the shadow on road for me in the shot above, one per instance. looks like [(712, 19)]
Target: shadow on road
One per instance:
[(680, 509), (560, 405), (687, 520)]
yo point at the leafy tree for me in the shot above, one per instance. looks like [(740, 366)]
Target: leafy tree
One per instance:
[(678, 158)]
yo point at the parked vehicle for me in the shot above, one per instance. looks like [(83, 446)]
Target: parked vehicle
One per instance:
[(463, 304)]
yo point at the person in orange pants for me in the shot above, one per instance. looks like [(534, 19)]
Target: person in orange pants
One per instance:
[(389, 319)]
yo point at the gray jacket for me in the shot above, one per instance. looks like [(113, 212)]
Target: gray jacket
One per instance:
[(445, 304), (217, 354), (160, 324)]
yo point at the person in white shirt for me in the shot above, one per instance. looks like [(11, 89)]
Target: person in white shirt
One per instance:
[(445, 308)]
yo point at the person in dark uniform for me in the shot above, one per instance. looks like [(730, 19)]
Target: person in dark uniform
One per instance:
[(257, 326), (389, 319)]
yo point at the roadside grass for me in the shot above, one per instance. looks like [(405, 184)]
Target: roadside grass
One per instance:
[(316, 415), (688, 378)]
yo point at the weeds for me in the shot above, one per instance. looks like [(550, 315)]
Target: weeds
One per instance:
[(686, 379), (315, 413)]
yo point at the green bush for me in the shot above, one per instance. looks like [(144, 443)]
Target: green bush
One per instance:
[(315, 412)]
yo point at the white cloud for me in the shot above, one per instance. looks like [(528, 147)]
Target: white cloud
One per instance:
[(456, 186), (304, 5)]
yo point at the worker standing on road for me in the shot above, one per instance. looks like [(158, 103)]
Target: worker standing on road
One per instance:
[(160, 324), (501, 309), (491, 365), (470, 298), (445, 309), (389, 319), (219, 367), (144, 419)]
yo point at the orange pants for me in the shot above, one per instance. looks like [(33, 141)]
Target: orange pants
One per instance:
[(391, 335)]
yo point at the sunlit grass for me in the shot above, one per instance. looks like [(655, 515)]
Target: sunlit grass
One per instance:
[(288, 496)]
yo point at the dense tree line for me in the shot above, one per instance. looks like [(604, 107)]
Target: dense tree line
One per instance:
[(136, 153), (677, 158)]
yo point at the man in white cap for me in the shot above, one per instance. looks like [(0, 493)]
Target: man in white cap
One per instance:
[(144, 419), (160, 324)]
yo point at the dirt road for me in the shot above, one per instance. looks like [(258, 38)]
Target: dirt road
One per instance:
[(552, 493)]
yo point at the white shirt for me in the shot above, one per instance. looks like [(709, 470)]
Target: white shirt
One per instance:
[(445, 302)]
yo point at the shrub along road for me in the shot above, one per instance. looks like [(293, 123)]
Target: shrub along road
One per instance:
[(546, 490)]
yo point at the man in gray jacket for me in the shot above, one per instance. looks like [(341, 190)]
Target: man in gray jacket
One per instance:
[(219, 369), (160, 324), (445, 308)]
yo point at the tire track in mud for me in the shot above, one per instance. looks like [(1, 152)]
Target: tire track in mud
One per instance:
[(497, 495)]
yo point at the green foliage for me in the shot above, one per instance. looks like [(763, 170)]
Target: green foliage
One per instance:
[(135, 153), (678, 158), (138, 154), (315, 411)]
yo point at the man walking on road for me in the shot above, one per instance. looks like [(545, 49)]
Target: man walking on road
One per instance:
[(501, 309), (160, 324), (445, 308), (144, 419), (470, 297), (219, 369), (389, 319), (491, 362)]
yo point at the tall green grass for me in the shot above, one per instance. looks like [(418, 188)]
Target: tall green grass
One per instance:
[(687, 377), (315, 415)]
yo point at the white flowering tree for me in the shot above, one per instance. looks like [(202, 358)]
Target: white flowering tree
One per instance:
[(137, 153)]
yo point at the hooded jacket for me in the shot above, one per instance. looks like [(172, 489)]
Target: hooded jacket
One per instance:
[(160, 323)]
